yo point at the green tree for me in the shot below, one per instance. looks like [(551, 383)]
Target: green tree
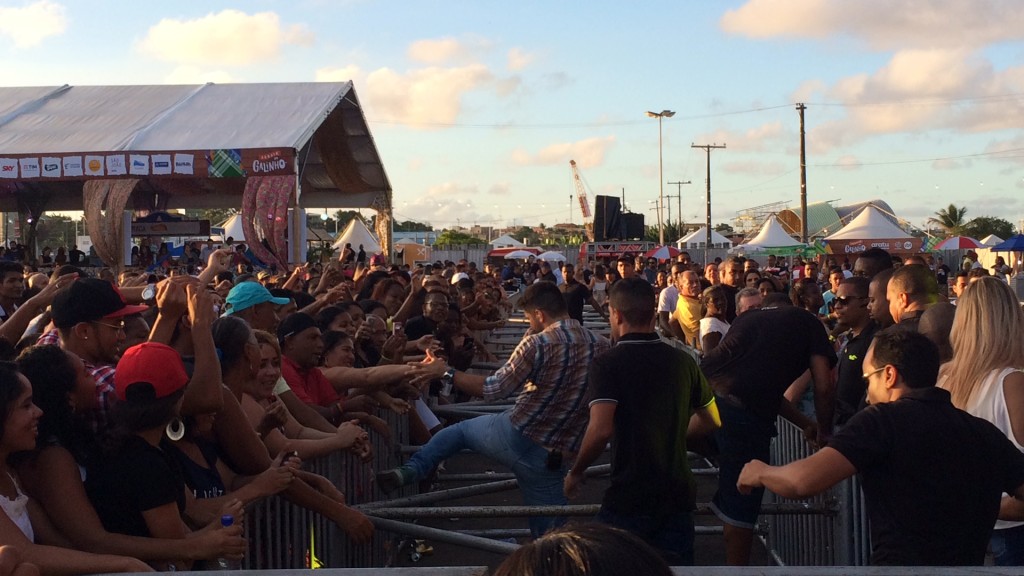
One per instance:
[(454, 238), (951, 219), (526, 234), (724, 229), (412, 226), (982, 226)]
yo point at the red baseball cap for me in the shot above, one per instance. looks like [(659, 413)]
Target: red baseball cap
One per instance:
[(152, 365)]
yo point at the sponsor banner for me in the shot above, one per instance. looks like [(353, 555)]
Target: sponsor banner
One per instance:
[(116, 165), (182, 228), (183, 163), (94, 165), (29, 167), (138, 165), (9, 168), (891, 245), (51, 167), (161, 164), (73, 166), (222, 163)]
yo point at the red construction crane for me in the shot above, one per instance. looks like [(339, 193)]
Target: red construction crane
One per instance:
[(581, 196)]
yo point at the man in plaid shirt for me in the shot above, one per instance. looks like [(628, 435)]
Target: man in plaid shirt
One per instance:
[(540, 435)]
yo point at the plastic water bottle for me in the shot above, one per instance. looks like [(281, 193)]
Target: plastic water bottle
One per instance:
[(227, 521)]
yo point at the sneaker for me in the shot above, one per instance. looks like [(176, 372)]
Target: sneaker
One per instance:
[(391, 480)]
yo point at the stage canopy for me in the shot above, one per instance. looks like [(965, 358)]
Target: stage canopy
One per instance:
[(264, 147)]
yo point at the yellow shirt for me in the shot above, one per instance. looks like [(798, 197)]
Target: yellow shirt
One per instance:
[(687, 314)]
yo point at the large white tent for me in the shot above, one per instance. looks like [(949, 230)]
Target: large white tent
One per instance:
[(698, 238), (771, 237), (506, 241), (233, 228), (872, 229), (357, 233)]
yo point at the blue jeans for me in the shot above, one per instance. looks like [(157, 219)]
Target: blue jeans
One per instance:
[(672, 536), (495, 436), (1008, 546)]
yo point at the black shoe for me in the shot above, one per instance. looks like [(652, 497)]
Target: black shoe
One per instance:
[(390, 480)]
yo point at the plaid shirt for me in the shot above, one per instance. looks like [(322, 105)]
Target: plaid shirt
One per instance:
[(550, 369), (104, 375)]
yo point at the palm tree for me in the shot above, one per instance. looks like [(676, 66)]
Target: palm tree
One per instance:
[(951, 219)]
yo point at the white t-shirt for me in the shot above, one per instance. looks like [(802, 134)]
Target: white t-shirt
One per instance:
[(667, 299), (709, 325)]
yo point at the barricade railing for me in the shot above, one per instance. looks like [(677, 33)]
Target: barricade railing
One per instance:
[(285, 536), (839, 538)]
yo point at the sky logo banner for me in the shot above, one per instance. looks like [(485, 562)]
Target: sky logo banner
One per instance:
[(8, 168)]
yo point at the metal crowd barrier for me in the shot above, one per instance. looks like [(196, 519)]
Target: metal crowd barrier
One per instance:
[(285, 536), (839, 538)]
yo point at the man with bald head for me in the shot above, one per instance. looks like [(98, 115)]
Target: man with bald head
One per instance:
[(911, 290)]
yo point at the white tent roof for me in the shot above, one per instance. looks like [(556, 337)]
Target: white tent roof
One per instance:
[(405, 241), (233, 228), (697, 238), (771, 235), (250, 119), (506, 241), (869, 224), (991, 240), (357, 233)]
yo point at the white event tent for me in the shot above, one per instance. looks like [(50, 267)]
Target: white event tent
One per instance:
[(357, 233), (698, 238)]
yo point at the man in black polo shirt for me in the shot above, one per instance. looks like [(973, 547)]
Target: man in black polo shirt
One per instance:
[(851, 310), (642, 394), (933, 475), (750, 397), (576, 294)]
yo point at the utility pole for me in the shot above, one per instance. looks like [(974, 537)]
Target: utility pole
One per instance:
[(707, 222), (679, 202), (803, 176)]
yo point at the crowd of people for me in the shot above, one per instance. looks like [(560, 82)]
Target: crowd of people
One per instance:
[(142, 413)]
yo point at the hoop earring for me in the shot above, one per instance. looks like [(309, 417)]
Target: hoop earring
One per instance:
[(175, 430)]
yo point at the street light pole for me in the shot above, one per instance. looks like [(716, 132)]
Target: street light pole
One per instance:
[(661, 173)]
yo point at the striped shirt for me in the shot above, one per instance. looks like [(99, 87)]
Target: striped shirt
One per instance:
[(549, 369)]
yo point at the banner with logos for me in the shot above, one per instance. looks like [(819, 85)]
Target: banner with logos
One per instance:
[(221, 163), (890, 245)]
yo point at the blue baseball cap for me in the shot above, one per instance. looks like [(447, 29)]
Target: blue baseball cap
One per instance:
[(249, 294)]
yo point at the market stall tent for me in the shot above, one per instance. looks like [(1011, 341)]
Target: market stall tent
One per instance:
[(506, 241), (263, 147), (698, 238), (771, 239)]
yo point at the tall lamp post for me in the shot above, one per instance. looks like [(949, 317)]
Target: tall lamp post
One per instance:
[(661, 176)]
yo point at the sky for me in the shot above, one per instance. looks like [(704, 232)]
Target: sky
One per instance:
[(476, 107)]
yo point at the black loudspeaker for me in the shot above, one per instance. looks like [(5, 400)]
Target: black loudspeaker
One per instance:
[(607, 218), (633, 226)]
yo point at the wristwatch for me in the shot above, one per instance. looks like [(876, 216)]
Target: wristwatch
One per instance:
[(149, 293), (447, 381)]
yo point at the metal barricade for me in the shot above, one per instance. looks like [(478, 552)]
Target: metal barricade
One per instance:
[(836, 539), (285, 536)]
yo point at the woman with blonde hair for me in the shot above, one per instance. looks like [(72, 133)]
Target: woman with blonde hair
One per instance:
[(986, 379)]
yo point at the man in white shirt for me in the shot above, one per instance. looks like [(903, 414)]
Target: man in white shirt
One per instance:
[(668, 298)]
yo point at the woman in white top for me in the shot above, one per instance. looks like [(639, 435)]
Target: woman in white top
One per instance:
[(22, 523), (713, 327), (985, 379)]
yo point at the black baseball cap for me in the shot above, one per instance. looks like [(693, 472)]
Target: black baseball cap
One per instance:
[(89, 300)]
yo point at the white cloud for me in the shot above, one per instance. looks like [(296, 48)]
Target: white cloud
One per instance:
[(757, 139), (446, 204), (848, 163), (423, 96), (754, 168), (950, 164), (587, 153), (229, 37), (519, 59), (29, 25), (447, 50), (343, 74), (882, 24)]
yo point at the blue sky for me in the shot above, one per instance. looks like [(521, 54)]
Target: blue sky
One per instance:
[(477, 107)]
